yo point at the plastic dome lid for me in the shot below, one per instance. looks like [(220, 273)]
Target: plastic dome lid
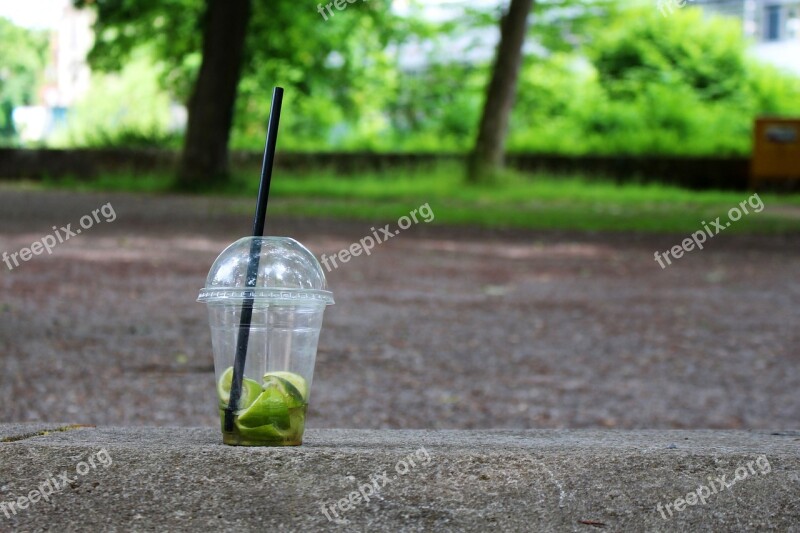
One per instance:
[(288, 274)]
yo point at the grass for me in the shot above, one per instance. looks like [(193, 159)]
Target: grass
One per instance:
[(535, 202)]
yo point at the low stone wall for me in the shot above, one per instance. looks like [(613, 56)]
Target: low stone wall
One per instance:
[(37, 164), (693, 172), (182, 479), (726, 173)]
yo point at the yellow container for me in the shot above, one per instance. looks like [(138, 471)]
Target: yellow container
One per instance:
[(776, 150)]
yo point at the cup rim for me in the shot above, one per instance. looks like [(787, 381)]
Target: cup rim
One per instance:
[(236, 295)]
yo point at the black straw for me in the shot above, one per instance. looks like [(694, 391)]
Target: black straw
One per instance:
[(255, 254)]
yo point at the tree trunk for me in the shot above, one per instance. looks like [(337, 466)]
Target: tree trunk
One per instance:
[(487, 156), (204, 161)]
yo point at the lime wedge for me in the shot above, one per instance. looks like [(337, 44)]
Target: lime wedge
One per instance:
[(297, 381), (250, 389), (270, 432), (271, 407)]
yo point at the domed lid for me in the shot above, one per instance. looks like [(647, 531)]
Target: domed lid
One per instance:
[(288, 274)]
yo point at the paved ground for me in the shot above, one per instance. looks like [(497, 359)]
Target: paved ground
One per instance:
[(438, 328), (183, 479)]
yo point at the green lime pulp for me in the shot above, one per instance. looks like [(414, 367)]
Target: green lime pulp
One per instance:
[(275, 417)]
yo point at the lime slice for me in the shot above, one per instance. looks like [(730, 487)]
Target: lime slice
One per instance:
[(293, 396), (299, 383), (270, 432), (271, 407), (250, 389)]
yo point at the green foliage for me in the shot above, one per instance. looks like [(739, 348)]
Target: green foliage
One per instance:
[(682, 85), (600, 76), (641, 48), (170, 29), (22, 59), (437, 108), (127, 109), (337, 71)]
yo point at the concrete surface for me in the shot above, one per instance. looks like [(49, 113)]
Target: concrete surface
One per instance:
[(178, 479)]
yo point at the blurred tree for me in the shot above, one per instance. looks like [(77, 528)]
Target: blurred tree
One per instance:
[(616, 79), (487, 155), (597, 76), (438, 106), (205, 150), (22, 59), (186, 36), (283, 45)]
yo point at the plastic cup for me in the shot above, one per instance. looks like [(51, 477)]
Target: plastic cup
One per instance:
[(289, 298)]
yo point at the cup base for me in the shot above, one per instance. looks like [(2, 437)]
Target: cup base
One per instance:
[(234, 439)]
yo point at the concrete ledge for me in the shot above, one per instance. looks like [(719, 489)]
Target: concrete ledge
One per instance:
[(573, 480)]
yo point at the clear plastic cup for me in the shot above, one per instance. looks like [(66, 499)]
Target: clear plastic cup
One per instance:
[(288, 298)]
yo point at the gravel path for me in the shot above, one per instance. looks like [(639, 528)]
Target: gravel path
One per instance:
[(439, 328)]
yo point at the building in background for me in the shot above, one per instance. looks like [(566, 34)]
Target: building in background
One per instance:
[(67, 76), (774, 26)]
